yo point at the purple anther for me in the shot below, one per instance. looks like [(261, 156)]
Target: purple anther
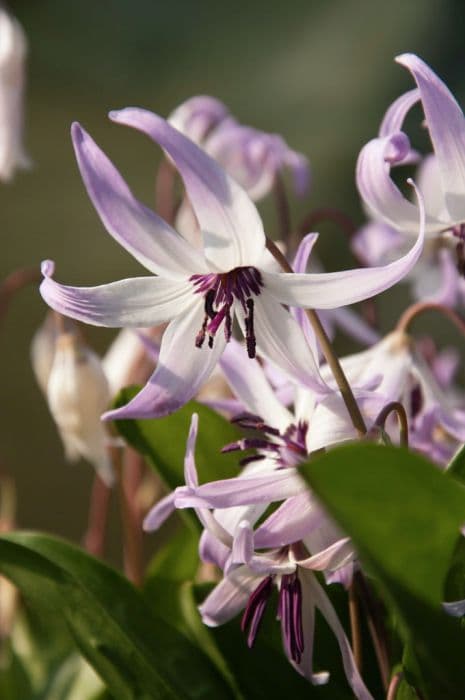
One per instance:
[(255, 608), (220, 292), (290, 614)]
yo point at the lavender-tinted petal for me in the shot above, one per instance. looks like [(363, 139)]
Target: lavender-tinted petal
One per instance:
[(190, 469), (353, 325), (455, 608), (138, 301), (212, 550), (332, 289), (159, 513), (393, 120), (446, 125), (231, 226), (376, 242), (196, 116), (243, 544), (138, 229), (248, 382), (181, 371), (305, 667), (229, 597), (354, 679), (428, 177), (227, 493), (291, 522), (276, 331), (382, 197), (333, 557)]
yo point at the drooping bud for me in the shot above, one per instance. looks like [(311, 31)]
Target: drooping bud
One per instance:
[(13, 52), (78, 393)]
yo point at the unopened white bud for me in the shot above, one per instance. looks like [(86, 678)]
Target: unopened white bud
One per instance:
[(13, 52), (78, 393)]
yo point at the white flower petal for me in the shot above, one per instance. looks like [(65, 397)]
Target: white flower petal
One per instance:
[(231, 226), (138, 301)]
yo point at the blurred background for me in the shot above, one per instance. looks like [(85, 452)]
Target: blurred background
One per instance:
[(320, 73)]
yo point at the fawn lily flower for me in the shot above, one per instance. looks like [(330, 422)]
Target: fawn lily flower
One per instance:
[(252, 157), (445, 209), (249, 577), (13, 51), (200, 291)]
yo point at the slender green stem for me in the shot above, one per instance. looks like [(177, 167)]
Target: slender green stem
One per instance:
[(328, 352)]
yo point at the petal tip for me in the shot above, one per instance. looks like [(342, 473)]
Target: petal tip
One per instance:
[(47, 267)]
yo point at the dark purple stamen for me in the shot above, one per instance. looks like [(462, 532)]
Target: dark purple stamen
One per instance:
[(220, 292), (255, 608), (288, 448), (290, 614)]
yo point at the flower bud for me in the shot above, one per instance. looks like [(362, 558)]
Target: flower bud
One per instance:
[(13, 52), (77, 394)]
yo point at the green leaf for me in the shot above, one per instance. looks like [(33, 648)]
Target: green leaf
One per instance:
[(168, 590), (163, 441), (137, 654), (403, 515)]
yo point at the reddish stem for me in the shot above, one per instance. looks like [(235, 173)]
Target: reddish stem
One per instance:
[(94, 539)]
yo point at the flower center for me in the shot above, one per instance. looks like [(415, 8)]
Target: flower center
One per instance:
[(220, 291), (288, 448)]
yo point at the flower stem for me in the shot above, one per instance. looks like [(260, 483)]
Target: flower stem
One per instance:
[(355, 629), (394, 686), (327, 348), (94, 538), (415, 310), (164, 191), (132, 530), (397, 408), (15, 281), (375, 626)]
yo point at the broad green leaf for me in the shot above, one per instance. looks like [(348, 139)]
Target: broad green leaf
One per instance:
[(403, 515), (137, 654), (168, 590), (455, 581), (163, 441)]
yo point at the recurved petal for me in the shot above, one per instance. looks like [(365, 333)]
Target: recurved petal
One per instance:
[(135, 302), (231, 226), (138, 229), (446, 125), (229, 597), (228, 493), (181, 370), (159, 513), (281, 340), (322, 601), (383, 199), (333, 289), (394, 118)]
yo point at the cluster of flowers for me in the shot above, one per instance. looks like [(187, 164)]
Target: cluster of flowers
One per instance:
[(213, 268)]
